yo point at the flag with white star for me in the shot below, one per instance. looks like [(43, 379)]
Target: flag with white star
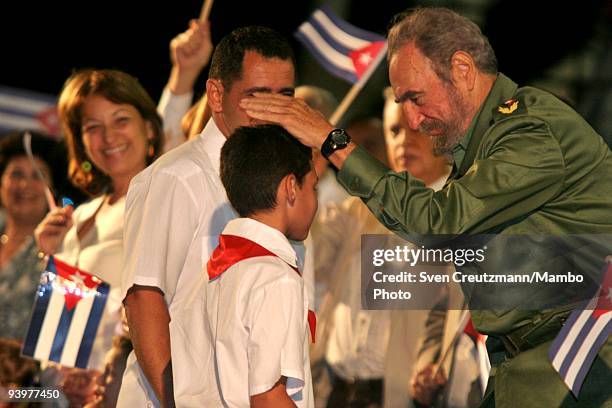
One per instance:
[(587, 329), (341, 48), (21, 109), (67, 312)]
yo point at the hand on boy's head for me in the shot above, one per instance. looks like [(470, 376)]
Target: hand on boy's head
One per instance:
[(303, 122)]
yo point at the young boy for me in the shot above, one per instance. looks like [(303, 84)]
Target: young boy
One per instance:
[(256, 302)]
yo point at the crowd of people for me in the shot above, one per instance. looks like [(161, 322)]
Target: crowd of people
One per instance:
[(229, 229)]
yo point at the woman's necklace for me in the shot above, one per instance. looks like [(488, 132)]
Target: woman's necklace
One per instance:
[(5, 239), (9, 246)]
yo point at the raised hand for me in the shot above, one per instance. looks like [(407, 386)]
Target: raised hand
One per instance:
[(190, 52)]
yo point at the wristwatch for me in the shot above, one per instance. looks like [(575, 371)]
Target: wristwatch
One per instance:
[(337, 139)]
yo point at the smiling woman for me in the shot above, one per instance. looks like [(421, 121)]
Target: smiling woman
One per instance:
[(102, 112), (113, 132)]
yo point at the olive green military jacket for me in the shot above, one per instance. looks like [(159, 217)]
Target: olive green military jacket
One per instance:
[(528, 164)]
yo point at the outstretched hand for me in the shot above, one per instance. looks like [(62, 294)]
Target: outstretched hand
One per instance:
[(306, 124)]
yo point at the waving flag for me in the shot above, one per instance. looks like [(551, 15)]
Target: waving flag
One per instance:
[(484, 364), (26, 110), (341, 48), (587, 329), (66, 316)]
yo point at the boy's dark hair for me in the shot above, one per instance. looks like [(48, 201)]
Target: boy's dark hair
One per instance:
[(254, 160), (226, 64)]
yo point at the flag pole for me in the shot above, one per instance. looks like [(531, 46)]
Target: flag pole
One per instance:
[(354, 91), (451, 346), (205, 12), (27, 145)]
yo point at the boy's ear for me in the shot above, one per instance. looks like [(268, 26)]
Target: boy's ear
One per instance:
[(214, 93), (287, 190)]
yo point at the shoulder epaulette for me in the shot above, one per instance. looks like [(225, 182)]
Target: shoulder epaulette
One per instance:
[(511, 107)]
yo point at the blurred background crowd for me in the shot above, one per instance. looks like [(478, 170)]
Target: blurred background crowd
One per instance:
[(563, 48)]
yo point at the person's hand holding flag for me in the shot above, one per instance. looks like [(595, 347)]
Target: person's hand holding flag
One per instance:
[(51, 231)]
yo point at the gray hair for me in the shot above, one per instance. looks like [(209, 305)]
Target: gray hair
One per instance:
[(438, 33)]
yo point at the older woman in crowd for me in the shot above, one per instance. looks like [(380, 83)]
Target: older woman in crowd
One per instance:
[(22, 194)]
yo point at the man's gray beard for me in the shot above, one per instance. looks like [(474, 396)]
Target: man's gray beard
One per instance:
[(453, 131), (443, 145)]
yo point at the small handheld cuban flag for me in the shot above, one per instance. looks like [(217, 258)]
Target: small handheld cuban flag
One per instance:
[(587, 329), (22, 109), (484, 365), (67, 313), (341, 48)]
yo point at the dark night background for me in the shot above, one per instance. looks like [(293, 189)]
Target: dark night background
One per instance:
[(43, 42)]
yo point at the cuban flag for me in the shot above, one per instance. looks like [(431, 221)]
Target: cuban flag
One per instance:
[(67, 312), (27, 110), (341, 48), (482, 356), (587, 329)]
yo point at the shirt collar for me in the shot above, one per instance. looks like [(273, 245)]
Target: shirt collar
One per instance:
[(212, 142), (438, 184), (503, 89), (270, 238)]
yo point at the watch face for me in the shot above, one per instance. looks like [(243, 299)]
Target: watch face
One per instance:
[(340, 137), (337, 139)]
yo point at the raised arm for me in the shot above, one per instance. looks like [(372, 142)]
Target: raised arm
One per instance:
[(190, 52)]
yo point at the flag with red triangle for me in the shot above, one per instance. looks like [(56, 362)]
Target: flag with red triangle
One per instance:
[(22, 109), (586, 330), (342, 49), (479, 339), (67, 312)]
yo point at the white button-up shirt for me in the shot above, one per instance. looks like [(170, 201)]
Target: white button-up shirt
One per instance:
[(175, 211), (258, 314)]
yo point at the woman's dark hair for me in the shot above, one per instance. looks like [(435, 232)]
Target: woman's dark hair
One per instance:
[(116, 86)]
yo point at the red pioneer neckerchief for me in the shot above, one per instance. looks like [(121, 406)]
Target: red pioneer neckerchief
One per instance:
[(233, 249)]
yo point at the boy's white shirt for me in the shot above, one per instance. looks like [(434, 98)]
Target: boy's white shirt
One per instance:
[(258, 315), (175, 211)]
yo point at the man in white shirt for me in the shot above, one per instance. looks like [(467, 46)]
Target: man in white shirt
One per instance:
[(175, 211), (256, 300)]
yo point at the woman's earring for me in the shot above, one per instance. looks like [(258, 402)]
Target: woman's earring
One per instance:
[(86, 166), (151, 150)]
